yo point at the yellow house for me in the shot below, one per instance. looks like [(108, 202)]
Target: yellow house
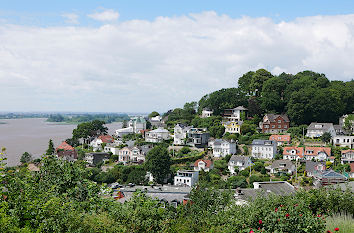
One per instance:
[(233, 126)]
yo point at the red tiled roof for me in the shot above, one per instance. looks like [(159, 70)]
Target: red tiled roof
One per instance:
[(65, 146), (346, 151), (106, 138), (206, 161), (352, 167), (280, 138), (316, 150), (299, 150)]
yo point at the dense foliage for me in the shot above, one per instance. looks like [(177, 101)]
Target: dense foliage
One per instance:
[(61, 198)]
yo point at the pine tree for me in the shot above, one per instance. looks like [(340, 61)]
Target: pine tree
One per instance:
[(50, 150)]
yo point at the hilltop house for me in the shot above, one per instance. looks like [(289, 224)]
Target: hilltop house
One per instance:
[(203, 164), (65, 151), (137, 123), (180, 134), (186, 178), (124, 131), (317, 153), (282, 166), (264, 149), (235, 114), (97, 142), (222, 147), (240, 162), (207, 113), (316, 130), (280, 139), (293, 153), (274, 123), (133, 154), (343, 141), (197, 137), (313, 168), (347, 156), (156, 121), (157, 135), (95, 158), (232, 126)]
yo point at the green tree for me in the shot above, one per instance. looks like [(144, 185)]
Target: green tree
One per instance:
[(258, 78), (89, 129), (326, 137), (153, 114), (158, 162), (51, 149), (26, 158)]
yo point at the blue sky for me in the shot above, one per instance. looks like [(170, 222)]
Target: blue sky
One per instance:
[(44, 12), (140, 56)]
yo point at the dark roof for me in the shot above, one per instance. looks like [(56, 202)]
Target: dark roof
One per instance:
[(238, 158), (310, 165), (272, 117), (324, 126), (276, 164), (330, 175)]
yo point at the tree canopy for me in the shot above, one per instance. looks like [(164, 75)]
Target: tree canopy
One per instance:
[(158, 162)]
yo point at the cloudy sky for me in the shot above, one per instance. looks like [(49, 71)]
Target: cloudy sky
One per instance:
[(139, 56)]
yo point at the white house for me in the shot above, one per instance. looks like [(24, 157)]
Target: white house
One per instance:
[(157, 135), (138, 124), (264, 149), (240, 162), (97, 142), (180, 134), (222, 147), (206, 113), (203, 164), (124, 131), (344, 141), (234, 114), (186, 178), (347, 156), (316, 130)]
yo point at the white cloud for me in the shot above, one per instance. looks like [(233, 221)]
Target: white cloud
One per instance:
[(71, 18), (107, 15), (143, 65)]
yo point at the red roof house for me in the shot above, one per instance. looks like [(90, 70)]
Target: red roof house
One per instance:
[(293, 152), (203, 164), (106, 138), (64, 150), (280, 139)]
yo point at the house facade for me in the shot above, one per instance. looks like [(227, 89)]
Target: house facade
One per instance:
[(65, 151), (235, 114), (239, 162), (343, 141), (186, 178), (232, 126), (203, 164), (97, 142), (282, 166), (180, 134), (280, 139), (138, 124), (274, 123), (347, 156), (317, 153), (264, 149), (316, 130), (206, 113), (328, 178), (197, 137), (95, 158), (157, 135), (313, 168), (221, 147), (293, 153)]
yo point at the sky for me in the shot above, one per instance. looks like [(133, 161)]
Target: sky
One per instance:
[(140, 56)]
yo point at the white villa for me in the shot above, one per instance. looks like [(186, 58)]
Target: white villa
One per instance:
[(157, 135), (186, 178), (240, 162), (222, 147), (344, 141), (180, 134), (206, 113), (264, 149), (315, 130)]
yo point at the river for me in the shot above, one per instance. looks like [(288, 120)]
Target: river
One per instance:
[(32, 135)]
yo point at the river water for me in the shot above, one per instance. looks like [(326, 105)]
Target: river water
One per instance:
[(32, 135)]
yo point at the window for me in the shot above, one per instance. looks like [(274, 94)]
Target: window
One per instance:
[(279, 121), (285, 126), (273, 126), (279, 126)]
